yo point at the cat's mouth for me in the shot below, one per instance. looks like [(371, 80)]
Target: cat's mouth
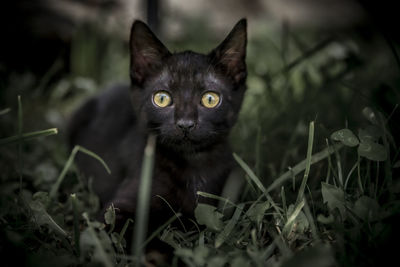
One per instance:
[(185, 143), (195, 140), (187, 139)]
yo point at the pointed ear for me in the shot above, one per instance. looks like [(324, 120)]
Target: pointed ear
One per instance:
[(147, 52), (230, 55)]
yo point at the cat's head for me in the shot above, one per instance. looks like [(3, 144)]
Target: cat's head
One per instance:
[(189, 100)]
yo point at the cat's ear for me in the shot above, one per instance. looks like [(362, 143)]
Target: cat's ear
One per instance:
[(230, 55), (147, 52)]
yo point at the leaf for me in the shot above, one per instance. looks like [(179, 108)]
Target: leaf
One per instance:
[(372, 151), (109, 217), (256, 213), (325, 219), (200, 255), (346, 137), (240, 262), (334, 197), (209, 216), (43, 218), (97, 243), (366, 208), (369, 114), (217, 261), (107, 248), (320, 255), (168, 237), (42, 197), (51, 257), (370, 134), (396, 164), (184, 252)]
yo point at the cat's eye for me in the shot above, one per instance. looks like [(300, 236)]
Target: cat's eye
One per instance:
[(210, 99), (162, 99)]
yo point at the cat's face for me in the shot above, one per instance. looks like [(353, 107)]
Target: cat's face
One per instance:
[(189, 100)]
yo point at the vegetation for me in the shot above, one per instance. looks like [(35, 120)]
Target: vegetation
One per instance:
[(316, 181)]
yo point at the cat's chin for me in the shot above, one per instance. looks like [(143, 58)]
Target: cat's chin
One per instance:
[(185, 145)]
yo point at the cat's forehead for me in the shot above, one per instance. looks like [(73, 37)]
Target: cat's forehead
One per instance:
[(188, 63), (190, 68)]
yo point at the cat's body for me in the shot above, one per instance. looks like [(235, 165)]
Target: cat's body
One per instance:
[(115, 136), (189, 101)]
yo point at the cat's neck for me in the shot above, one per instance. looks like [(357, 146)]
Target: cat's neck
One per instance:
[(204, 170)]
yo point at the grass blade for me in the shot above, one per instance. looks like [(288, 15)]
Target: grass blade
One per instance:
[(20, 126), (27, 136), (258, 151), (283, 195), (257, 181), (302, 165), (339, 168), (95, 156), (221, 237), (75, 150), (219, 198), (288, 225), (176, 214), (351, 172), (280, 243), (42, 217), (360, 185), (143, 205), (124, 228), (310, 219), (308, 162), (20, 116), (250, 173), (159, 229), (328, 174), (76, 224), (233, 189), (307, 54), (4, 111)]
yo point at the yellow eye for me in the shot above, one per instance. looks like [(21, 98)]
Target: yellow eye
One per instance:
[(162, 99), (210, 100)]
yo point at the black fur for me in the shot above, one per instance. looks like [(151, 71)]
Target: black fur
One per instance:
[(116, 123)]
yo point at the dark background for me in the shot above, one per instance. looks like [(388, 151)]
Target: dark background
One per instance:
[(310, 60)]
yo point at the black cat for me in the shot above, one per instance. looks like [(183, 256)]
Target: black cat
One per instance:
[(188, 100)]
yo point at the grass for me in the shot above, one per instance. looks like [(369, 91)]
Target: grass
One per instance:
[(318, 188), (265, 229), (144, 196)]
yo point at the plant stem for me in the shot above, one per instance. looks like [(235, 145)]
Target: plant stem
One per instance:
[(143, 205)]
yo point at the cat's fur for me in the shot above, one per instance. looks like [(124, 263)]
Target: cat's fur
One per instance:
[(116, 123)]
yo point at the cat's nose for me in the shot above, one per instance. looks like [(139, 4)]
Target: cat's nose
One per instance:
[(185, 124)]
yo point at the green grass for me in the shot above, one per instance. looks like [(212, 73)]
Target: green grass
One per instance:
[(263, 229), (316, 171)]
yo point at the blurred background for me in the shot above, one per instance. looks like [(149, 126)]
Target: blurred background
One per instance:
[(307, 60)]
